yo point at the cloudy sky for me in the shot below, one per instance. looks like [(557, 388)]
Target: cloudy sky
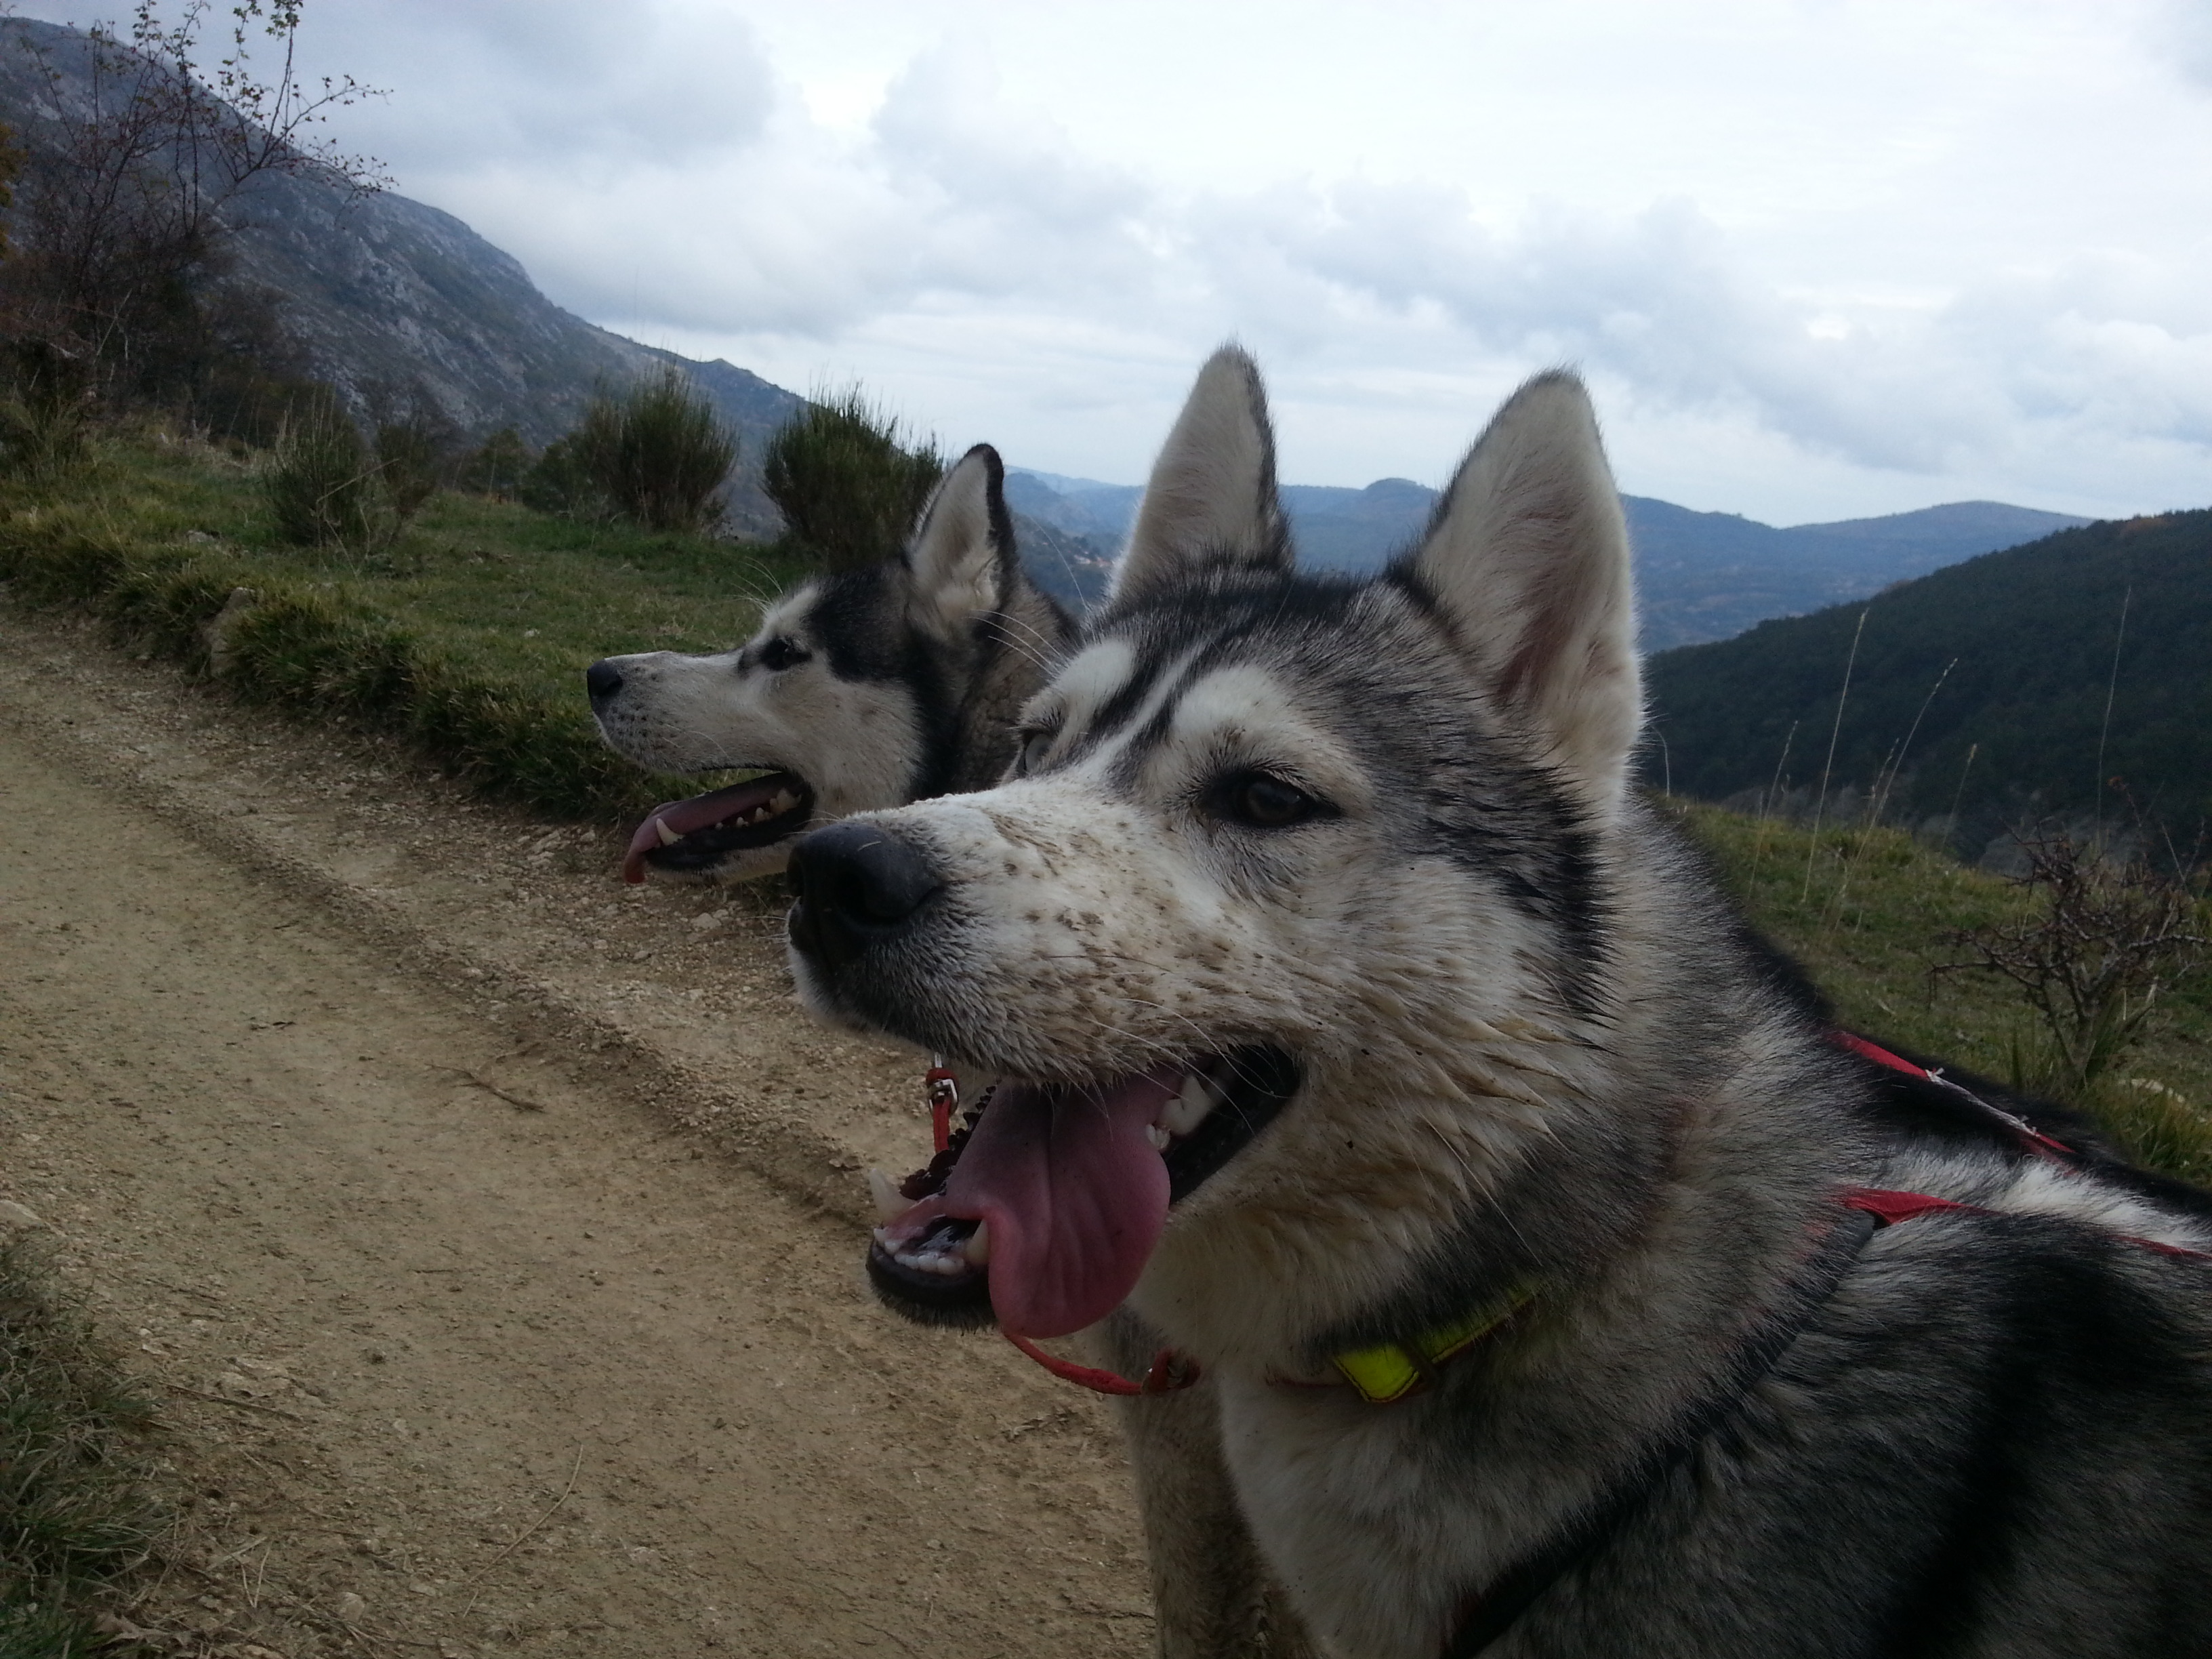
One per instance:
[(1818, 259)]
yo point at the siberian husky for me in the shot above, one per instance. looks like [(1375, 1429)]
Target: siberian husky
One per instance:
[(870, 688), (865, 689), (1562, 1285)]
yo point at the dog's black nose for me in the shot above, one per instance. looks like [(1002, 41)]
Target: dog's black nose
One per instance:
[(857, 883), (603, 679)]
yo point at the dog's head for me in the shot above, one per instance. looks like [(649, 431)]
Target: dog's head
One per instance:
[(850, 697), (1282, 930)]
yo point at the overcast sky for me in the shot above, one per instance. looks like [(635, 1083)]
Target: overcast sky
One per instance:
[(1818, 260)]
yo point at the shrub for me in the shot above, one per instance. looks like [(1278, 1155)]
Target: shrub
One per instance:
[(655, 454), (2105, 943), (411, 464), (77, 1512), (848, 486), (322, 490), (560, 481), (45, 415), (497, 466)]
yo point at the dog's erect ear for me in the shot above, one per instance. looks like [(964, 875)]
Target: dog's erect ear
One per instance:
[(961, 557), (1528, 555), (1211, 503)]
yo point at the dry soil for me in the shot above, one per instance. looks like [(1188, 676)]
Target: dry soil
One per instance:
[(491, 1231)]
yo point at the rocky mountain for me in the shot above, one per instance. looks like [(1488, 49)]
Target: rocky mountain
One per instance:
[(399, 306), (1702, 575)]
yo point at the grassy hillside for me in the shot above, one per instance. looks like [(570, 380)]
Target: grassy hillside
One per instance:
[(1869, 912), (469, 637), (2033, 632)]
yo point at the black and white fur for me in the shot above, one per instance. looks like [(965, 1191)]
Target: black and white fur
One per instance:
[(887, 685), (1383, 831), (870, 687)]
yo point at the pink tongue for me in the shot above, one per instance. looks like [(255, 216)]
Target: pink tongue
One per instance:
[(683, 817), (1075, 1196)]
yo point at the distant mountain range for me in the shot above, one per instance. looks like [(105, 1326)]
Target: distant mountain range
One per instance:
[(1700, 575), (399, 306), (1982, 685)]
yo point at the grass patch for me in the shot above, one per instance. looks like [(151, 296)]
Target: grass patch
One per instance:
[(78, 1511), (467, 635), (1868, 912)]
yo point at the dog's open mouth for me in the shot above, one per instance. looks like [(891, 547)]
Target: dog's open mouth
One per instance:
[(1044, 1211), (698, 834)]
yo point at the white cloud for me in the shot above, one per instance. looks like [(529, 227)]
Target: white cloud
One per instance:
[(1818, 260)]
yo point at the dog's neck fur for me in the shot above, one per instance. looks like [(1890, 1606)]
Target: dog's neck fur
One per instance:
[(1560, 1153)]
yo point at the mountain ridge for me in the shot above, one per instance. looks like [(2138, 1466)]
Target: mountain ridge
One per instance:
[(1700, 576)]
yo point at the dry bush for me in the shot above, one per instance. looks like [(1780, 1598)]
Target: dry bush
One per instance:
[(2103, 944)]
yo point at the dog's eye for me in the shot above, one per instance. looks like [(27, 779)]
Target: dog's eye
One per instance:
[(1264, 801), (780, 653), (1034, 743)]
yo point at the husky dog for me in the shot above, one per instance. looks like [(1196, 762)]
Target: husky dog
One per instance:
[(870, 688), (865, 689), (1563, 1288)]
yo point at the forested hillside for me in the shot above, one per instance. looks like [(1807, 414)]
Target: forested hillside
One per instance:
[(2025, 644)]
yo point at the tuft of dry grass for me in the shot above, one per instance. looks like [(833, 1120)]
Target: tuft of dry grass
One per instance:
[(79, 1511)]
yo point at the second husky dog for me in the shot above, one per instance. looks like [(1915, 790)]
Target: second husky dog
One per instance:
[(868, 688), (1564, 1289)]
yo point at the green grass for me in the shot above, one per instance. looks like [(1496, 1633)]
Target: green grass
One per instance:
[(468, 636), (78, 1508), (1868, 912)]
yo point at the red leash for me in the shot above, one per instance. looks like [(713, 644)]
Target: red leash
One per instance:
[(1170, 1371), (2022, 1131), (1887, 1208)]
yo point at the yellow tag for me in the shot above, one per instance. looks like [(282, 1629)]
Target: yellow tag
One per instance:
[(1382, 1374), (1388, 1373)]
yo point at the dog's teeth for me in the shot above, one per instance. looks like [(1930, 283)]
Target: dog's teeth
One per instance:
[(890, 1204), (1188, 1109), (1160, 1138), (784, 801), (668, 838), (979, 1245)]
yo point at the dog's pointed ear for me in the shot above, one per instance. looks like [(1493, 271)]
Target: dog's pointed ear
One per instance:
[(962, 556), (1527, 556), (1211, 503)]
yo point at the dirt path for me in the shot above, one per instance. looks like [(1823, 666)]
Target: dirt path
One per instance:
[(422, 1168)]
